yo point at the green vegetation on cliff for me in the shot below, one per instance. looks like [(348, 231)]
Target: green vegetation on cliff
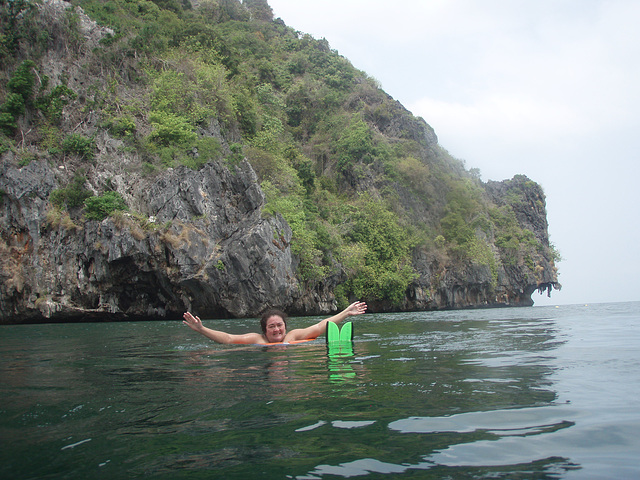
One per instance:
[(361, 182)]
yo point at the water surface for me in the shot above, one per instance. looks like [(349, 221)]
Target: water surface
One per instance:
[(542, 392)]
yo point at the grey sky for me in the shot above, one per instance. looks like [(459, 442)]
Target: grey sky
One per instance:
[(546, 88)]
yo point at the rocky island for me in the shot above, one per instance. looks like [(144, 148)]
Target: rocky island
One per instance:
[(207, 157)]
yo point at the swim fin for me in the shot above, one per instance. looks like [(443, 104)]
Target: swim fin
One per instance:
[(335, 334), (346, 332), (339, 341)]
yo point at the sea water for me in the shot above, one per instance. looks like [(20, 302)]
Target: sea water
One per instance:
[(515, 393)]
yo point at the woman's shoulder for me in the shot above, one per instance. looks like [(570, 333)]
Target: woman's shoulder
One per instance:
[(299, 334), (249, 338)]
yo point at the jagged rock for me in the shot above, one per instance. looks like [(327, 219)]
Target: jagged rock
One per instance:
[(530, 210), (209, 249)]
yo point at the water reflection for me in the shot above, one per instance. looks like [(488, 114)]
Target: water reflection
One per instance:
[(543, 469), (522, 422), (458, 394), (339, 355), (479, 391)]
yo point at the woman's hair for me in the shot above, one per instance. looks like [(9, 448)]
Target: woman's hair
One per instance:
[(270, 313)]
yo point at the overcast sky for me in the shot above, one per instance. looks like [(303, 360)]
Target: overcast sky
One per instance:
[(546, 88)]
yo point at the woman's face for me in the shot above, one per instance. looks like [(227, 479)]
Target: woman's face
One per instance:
[(276, 329)]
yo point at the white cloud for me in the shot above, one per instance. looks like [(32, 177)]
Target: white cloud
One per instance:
[(514, 119)]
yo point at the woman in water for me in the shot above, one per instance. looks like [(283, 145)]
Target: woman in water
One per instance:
[(274, 327)]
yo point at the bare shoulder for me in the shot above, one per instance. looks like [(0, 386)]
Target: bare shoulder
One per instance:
[(301, 334), (248, 338)]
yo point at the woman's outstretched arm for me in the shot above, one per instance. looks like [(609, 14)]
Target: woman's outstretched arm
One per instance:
[(356, 308), (195, 324)]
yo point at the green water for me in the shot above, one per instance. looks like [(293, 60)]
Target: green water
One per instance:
[(512, 393)]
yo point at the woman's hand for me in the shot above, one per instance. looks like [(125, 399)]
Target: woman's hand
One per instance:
[(356, 308), (192, 322)]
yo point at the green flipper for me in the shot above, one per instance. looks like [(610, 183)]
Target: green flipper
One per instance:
[(340, 350), (337, 335), (333, 332), (346, 333)]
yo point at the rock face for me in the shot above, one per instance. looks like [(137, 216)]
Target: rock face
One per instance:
[(203, 245)]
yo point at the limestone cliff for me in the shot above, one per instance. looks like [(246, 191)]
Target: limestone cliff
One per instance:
[(203, 245), (203, 229)]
